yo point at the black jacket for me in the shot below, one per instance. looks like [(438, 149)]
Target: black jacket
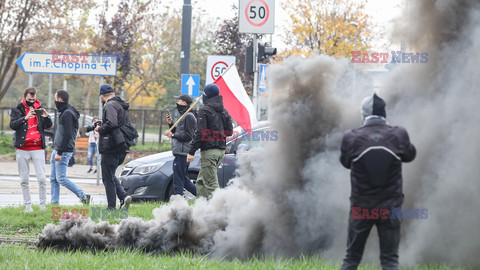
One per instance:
[(214, 125), (183, 134), (114, 116), (66, 129), (18, 123), (374, 153)]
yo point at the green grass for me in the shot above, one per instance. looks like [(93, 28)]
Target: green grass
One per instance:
[(6, 144), (13, 219), (152, 146), (13, 256), (23, 257)]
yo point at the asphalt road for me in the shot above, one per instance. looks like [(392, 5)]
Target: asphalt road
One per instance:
[(11, 193)]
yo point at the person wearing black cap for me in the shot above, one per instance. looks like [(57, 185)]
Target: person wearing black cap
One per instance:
[(114, 116), (214, 125), (374, 153), (181, 136)]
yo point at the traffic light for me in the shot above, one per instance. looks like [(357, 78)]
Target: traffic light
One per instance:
[(249, 60), (264, 52)]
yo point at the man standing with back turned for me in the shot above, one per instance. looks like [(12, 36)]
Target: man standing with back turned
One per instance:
[(114, 116), (214, 124), (374, 153)]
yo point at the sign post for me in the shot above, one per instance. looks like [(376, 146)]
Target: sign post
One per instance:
[(216, 65), (191, 85)]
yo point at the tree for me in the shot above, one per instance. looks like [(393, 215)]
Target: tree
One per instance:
[(26, 24), (229, 41), (325, 26)]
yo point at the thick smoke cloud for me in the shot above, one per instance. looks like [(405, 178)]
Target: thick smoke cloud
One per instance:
[(292, 195)]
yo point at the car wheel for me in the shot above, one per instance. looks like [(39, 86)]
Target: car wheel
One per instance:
[(169, 191), (49, 141)]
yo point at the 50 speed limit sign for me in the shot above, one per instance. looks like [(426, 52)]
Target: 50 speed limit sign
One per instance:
[(256, 16), (216, 65)]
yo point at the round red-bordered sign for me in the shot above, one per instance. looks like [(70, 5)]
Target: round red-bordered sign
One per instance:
[(213, 68), (266, 15)]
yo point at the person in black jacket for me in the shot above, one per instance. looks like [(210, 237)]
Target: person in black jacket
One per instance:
[(64, 147), (181, 136), (114, 116), (29, 142), (374, 153), (214, 125)]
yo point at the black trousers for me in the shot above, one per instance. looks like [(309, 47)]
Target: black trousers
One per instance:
[(358, 231), (180, 176), (109, 164)]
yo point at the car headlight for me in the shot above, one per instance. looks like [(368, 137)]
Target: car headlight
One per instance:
[(148, 168), (140, 191)]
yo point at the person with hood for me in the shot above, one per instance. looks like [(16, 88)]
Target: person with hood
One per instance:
[(114, 116), (64, 146), (214, 125), (374, 153), (181, 136), (29, 142)]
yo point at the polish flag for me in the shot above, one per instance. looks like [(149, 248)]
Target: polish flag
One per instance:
[(235, 99)]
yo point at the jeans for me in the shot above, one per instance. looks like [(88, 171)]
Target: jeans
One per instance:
[(38, 159), (388, 234), (58, 176), (207, 181), (92, 151), (110, 163), (180, 176)]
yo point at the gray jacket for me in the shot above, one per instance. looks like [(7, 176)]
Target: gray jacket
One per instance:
[(183, 134)]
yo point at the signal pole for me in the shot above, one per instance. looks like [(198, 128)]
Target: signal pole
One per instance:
[(186, 38)]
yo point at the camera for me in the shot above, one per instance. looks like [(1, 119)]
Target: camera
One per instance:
[(93, 125)]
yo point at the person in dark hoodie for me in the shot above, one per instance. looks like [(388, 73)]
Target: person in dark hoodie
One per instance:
[(374, 153), (64, 145), (181, 136), (214, 125), (30, 143), (114, 116)]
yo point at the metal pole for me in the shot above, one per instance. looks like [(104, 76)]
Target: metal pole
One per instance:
[(143, 127), (50, 89), (160, 129), (255, 74), (30, 79), (186, 35), (99, 157), (64, 84)]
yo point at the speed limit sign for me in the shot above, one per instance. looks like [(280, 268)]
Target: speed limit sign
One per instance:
[(256, 16), (216, 65)]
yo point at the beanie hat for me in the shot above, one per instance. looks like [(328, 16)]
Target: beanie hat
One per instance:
[(373, 105), (186, 98), (106, 88), (211, 90)]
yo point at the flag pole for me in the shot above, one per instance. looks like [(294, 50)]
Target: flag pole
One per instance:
[(183, 115)]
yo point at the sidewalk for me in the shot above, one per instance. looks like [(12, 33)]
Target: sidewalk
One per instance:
[(11, 193)]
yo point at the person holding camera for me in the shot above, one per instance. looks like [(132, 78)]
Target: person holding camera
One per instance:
[(92, 143), (115, 115), (181, 136), (64, 147), (30, 120)]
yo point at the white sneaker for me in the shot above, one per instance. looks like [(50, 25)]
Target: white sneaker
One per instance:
[(28, 208)]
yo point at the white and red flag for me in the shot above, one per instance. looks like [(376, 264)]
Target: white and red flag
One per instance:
[(235, 98)]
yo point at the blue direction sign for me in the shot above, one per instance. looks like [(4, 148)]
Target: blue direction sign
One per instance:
[(262, 83), (64, 63), (191, 85)]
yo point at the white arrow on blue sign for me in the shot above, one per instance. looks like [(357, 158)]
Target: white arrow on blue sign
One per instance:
[(262, 84), (191, 85), (63, 63)]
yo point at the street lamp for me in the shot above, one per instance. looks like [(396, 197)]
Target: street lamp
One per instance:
[(355, 64)]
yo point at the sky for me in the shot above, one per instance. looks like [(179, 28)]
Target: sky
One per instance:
[(382, 13)]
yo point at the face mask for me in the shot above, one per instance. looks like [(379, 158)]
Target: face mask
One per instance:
[(181, 108), (29, 104), (60, 105)]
